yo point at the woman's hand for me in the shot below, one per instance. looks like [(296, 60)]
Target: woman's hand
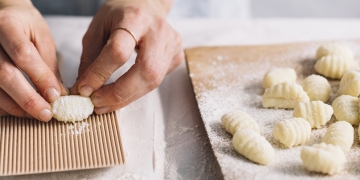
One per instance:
[(106, 48), (26, 45)]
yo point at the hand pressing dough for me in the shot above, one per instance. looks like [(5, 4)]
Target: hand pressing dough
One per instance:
[(316, 113), (340, 134), (317, 88), (277, 76), (292, 132), (284, 95), (253, 146), (334, 49), (350, 84), (72, 108), (324, 158), (333, 66), (346, 108), (235, 120)]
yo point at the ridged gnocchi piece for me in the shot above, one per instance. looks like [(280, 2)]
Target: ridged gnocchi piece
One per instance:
[(317, 88), (346, 108), (284, 95), (334, 49), (234, 120), (340, 134), (72, 108), (292, 132), (324, 158), (350, 83), (253, 146), (316, 113), (334, 66), (277, 76)]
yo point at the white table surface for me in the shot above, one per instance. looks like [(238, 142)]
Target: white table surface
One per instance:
[(163, 134)]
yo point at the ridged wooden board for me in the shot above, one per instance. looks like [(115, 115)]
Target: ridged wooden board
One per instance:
[(29, 146)]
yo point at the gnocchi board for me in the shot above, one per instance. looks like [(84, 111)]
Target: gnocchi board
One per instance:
[(28, 146), (229, 78)]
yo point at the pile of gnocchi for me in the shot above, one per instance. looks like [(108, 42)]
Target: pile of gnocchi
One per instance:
[(310, 112)]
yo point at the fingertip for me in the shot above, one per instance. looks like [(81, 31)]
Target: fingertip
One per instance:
[(97, 101), (45, 115), (102, 110), (52, 94), (86, 90)]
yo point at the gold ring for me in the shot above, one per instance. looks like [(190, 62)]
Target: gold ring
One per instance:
[(131, 33)]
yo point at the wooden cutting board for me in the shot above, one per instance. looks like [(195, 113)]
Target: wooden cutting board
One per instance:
[(229, 78)]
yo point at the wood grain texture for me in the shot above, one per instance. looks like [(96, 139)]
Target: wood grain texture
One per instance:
[(227, 78), (29, 146)]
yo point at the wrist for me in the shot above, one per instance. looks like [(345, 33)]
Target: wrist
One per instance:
[(161, 7), (17, 3)]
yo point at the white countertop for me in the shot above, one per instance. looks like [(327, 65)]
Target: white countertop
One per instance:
[(163, 134)]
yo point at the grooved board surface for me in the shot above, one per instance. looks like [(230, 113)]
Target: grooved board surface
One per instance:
[(29, 146), (227, 78)]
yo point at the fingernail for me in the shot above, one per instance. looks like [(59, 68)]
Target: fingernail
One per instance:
[(97, 101), (52, 94), (86, 90), (45, 115), (102, 110)]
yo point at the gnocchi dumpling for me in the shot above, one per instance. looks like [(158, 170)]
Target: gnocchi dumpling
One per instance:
[(334, 49), (284, 95), (277, 76), (291, 132), (316, 113), (350, 83), (253, 146), (317, 88), (234, 120), (334, 66), (340, 134), (72, 108), (324, 158), (346, 108)]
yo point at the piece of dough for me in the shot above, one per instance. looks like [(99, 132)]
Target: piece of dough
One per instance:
[(333, 66), (324, 158), (350, 84), (317, 113), (340, 134), (346, 108), (72, 108), (292, 132), (277, 76), (253, 146), (234, 120), (334, 49), (284, 95), (317, 88)]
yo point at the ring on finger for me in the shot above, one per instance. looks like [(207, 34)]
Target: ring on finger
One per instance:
[(130, 32)]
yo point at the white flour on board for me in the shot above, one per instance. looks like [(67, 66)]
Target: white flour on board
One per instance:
[(245, 93)]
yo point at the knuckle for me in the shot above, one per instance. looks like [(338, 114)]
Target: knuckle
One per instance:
[(7, 73), (116, 53), (151, 74), (22, 50), (119, 95), (29, 103), (101, 73)]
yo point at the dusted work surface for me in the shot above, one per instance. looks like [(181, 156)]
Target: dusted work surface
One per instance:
[(163, 134), (230, 78)]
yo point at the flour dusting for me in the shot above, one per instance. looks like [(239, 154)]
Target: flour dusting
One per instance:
[(235, 84)]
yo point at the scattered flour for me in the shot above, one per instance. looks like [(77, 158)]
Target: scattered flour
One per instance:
[(237, 85), (76, 129)]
